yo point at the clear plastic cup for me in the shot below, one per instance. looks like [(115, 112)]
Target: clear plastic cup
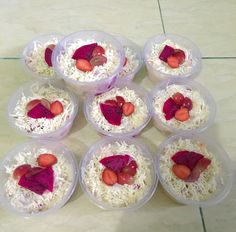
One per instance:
[(126, 43), (26, 90), (189, 84), (142, 94), (219, 153), (158, 75), (27, 52), (98, 86), (95, 149), (58, 150)]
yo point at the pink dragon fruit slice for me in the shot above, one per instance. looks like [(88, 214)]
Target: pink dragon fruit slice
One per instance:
[(32, 185), (84, 52), (166, 52), (116, 162), (40, 111), (169, 108), (45, 178), (187, 158), (48, 54), (112, 113)]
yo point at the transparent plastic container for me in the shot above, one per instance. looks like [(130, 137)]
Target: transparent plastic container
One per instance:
[(189, 84), (219, 153), (30, 47), (58, 149), (158, 75), (26, 90), (95, 150), (142, 94), (98, 86), (126, 43)]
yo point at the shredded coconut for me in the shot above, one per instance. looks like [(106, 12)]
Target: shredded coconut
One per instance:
[(35, 61), (28, 201), (198, 114), (118, 195), (68, 68), (163, 67), (43, 125), (131, 64), (209, 181), (129, 123)]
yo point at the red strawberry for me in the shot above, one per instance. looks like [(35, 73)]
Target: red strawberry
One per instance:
[(33, 171), (98, 60), (173, 61), (45, 103), (128, 108), (178, 98), (131, 168), (120, 101), (181, 171), (109, 177), (21, 170), (56, 108), (46, 160), (125, 178), (187, 103), (83, 65), (180, 55), (98, 51)]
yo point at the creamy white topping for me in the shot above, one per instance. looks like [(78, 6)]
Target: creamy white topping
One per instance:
[(209, 181), (198, 114), (118, 195)]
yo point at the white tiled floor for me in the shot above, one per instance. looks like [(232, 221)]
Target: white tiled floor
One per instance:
[(211, 24)]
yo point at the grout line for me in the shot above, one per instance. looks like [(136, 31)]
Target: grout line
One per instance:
[(202, 218), (162, 21), (218, 57), (9, 58)]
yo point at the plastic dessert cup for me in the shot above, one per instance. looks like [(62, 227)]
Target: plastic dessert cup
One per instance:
[(189, 84), (26, 56), (26, 89), (158, 75), (142, 93), (94, 150), (57, 148), (96, 86), (218, 152), (126, 43)]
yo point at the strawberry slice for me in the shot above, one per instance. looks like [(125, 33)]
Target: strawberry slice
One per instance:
[(56, 108), (83, 65), (45, 103), (98, 60), (48, 54), (84, 52), (131, 168), (98, 51), (30, 105), (109, 177), (21, 170), (40, 111), (173, 61), (33, 171), (120, 101), (181, 171), (125, 178), (128, 108), (113, 114), (46, 160), (180, 55), (178, 98)]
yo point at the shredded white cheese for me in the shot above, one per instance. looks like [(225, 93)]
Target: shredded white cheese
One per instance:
[(35, 61), (128, 123), (131, 64), (27, 201), (209, 181), (198, 114), (43, 125), (68, 68), (118, 195), (156, 63)]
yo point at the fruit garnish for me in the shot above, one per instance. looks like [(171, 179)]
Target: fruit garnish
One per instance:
[(128, 108), (187, 103), (109, 177), (131, 168), (173, 61), (115, 162), (46, 103), (21, 170), (30, 105), (46, 160), (33, 171), (166, 52), (40, 111), (56, 108), (201, 166), (83, 65), (180, 55), (98, 60), (113, 114), (98, 51), (178, 98), (84, 52), (48, 54), (187, 158), (181, 171), (111, 102), (120, 101), (182, 114), (125, 178), (169, 108), (125, 62)]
